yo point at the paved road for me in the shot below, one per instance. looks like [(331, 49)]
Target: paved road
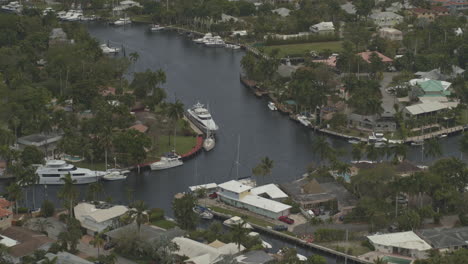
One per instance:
[(388, 100)]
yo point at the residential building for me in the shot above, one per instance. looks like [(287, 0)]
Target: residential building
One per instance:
[(6, 213), (376, 123), (57, 37), (124, 5), (452, 5), (97, 217), (311, 194), (432, 87), (269, 191), (45, 142), (65, 258), (23, 242), (423, 109), (391, 34), (147, 233), (199, 253), (366, 55), (330, 61), (239, 195), (430, 14), (401, 243), (445, 239), (282, 11), (323, 28), (436, 74), (349, 8), (386, 19), (140, 128)]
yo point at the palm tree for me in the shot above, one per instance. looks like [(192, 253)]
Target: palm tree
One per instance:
[(175, 112), (68, 192), (322, 148), (372, 152), (432, 148), (134, 56), (41, 225), (400, 151), (463, 144), (98, 241), (15, 194), (138, 212), (264, 168), (239, 233)]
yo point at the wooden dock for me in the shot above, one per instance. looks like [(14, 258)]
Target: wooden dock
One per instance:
[(300, 242), (447, 131)]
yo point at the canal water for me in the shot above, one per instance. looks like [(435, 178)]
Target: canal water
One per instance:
[(211, 76)]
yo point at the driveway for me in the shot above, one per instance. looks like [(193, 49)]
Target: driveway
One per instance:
[(388, 100)]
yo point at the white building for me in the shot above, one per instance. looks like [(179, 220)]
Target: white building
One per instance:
[(200, 253), (124, 5), (323, 28), (402, 243), (239, 195), (270, 191), (424, 108), (386, 19), (96, 218), (282, 11), (391, 34)]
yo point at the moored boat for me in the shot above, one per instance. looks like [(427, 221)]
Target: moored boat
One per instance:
[(156, 27), (207, 37), (201, 117), (209, 143), (106, 49), (122, 21), (54, 171), (303, 120), (115, 175), (272, 106), (203, 212), (169, 160), (236, 220)]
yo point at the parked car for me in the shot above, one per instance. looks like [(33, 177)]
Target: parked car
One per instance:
[(280, 228), (286, 219), (213, 195), (109, 245)]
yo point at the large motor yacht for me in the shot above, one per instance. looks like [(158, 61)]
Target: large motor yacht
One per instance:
[(201, 117), (208, 37), (169, 160), (55, 170), (13, 7)]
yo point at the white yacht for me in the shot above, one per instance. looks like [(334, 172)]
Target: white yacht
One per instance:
[(55, 170), (156, 27), (203, 212), (115, 175), (13, 7), (48, 10), (76, 16), (216, 42), (201, 118), (169, 160), (106, 49), (70, 13), (233, 46), (236, 220), (272, 106), (123, 21), (61, 15), (303, 120), (204, 39)]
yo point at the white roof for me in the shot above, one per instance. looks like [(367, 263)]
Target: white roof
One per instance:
[(426, 107), (204, 186), (200, 253), (390, 30), (282, 11), (234, 186), (267, 204), (87, 210), (271, 189), (324, 26), (384, 15), (8, 241), (408, 240), (129, 2)]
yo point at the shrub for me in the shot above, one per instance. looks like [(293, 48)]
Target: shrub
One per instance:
[(63, 217), (23, 210), (47, 209), (327, 235), (156, 214), (294, 206)]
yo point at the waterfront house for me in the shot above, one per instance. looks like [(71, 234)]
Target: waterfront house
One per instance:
[(445, 239), (45, 142), (402, 243), (64, 257), (97, 217), (239, 195), (377, 123), (391, 34), (147, 232), (323, 28), (199, 253), (386, 19), (58, 37), (6, 213), (310, 193), (430, 14), (23, 242), (269, 191), (124, 5), (424, 109)]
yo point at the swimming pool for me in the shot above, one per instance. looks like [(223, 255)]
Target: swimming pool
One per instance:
[(72, 158), (395, 260)]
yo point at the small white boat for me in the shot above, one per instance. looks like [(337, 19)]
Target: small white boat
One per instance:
[(272, 106), (233, 46), (236, 220), (303, 120), (156, 27), (417, 143), (209, 143), (115, 175), (216, 42), (123, 21), (169, 160), (203, 212), (13, 7), (106, 49), (354, 141), (207, 37), (442, 136), (265, 244)]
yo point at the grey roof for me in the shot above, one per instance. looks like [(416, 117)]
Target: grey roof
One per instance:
[(254, 257), (39, 139), (66, 258), (435, 74), (147, 232), (58, 33), (445, 238), (282, 11), (349, 8)]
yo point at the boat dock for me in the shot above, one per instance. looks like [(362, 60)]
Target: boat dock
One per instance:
[(299, 242), (446, 131)]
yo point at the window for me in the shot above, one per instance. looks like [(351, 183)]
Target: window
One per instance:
[(79, 174), (50, 175), (70, 169)]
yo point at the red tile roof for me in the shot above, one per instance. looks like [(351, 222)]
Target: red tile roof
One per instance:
[(5, 212), (4, 203), (366, 56), (108, 91), (139, 127)]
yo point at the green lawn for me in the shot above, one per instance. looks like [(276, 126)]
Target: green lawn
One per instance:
[(183, 145), (250, 219), (166, 224), (142, 18), (295, 50)]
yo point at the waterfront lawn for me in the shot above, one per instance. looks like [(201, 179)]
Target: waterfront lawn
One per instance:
[(250, 219), (166, 224), (298, 50), (183, 145), (142, 18), (354, 247)]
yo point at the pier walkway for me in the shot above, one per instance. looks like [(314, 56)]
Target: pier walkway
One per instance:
[(447, 131)]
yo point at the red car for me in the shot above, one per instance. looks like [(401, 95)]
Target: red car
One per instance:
[(286, 219), (213, 195)]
